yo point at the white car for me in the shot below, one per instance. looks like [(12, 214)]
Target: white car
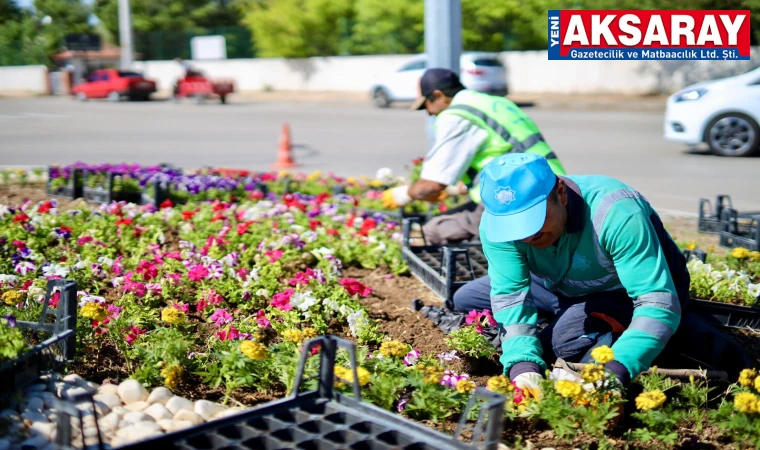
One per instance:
[(724, 114), (480, 71)]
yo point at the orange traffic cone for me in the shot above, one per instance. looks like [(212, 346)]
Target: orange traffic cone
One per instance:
[(285, 151)]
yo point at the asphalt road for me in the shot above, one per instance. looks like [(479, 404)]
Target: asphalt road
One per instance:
[(351, 138)]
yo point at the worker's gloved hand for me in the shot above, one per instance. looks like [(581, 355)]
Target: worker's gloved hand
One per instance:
[(396, 197), (458, 189), (530, 383)]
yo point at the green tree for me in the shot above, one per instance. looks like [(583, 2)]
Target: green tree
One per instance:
[(68, 16), (9, 11), (388, 27), (297, 28)]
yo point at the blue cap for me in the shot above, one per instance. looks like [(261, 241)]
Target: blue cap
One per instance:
[(514, 188)]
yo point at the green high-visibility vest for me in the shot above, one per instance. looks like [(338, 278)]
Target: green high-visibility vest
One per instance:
[(509, 130)]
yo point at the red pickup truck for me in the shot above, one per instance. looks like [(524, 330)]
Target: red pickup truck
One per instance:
[(114, 85)]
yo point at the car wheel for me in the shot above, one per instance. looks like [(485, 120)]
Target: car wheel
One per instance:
[(381, 98), (733, 134), (114, 96), (81, 96)]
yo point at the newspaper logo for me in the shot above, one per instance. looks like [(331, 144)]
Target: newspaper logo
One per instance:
[(649, 35)]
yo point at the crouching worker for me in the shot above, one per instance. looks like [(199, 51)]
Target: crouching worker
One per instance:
[(471, 128), (601, 248)]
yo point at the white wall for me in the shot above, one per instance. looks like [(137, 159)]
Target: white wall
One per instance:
[(338, 73), (24, 79), (529, 72)]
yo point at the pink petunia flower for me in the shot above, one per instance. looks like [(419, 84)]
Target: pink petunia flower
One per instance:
[(221, 317), (262, 320), (197, 273), (282, 300)]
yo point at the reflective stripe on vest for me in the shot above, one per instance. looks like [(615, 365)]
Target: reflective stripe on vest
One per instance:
[(517, 146), (601, 257)]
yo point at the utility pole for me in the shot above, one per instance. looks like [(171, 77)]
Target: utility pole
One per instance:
[(125, 34), (443, 40)]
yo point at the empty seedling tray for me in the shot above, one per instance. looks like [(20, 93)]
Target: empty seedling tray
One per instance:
[(730, 315), (325, 419), (444, 268)]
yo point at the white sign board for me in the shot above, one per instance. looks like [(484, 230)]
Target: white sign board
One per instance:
[(208, 47)]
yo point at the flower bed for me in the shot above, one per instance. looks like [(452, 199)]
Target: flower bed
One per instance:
[(216, 299)]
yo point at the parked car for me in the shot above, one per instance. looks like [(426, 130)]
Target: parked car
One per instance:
[(114, 85), (197, 86), (480, 71), (723, 113)]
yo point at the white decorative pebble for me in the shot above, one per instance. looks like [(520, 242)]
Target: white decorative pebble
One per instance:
[(176, 404), (135, 417), (188, 415), (34, 416), (74, 379), (137, 406), (39, 387), (112, 400), (160, 395), (170, 425), (35, 404), (108, 389), (109, 422), (158, 412), (207, 409), (45, 429), (132, 391)]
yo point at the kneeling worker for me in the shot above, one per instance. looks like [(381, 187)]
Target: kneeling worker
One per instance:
[(601, 248), (471, 129)]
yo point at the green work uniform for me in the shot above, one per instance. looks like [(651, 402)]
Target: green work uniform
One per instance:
[(616, 248)]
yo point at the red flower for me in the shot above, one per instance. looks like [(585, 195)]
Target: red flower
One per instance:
[(217, 217), (256, 195), (187, 215), (125, 221), (367, 225), (242, 228), (332, 232), (45, 207), (350, 221), (65, 228), (355, 287), (23, 218), (442, 206), (418, 161), (273, 255), (168, 203), (147, 269), (84, 239), (313, 224), (321, 198), (26, 285), (20, 245)]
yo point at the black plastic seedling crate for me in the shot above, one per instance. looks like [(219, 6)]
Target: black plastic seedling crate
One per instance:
[(729, 315), (444, 268), (106, 194), (53, 352), (324, 419), (73, 188), (740, 229)]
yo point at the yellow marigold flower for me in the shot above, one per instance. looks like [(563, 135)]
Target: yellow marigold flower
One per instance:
[(465, 386), (293, 335), (420, 366), (500, 384), (12, 297), (254, 350), (754, 255), (351, 180), (747, 403), (283, 173), (593, 373), (433, 375), (314, 175), (172, 315), (308, 333), (376, 183), (394, 348), (650, 400), (603, 354), (757, 384), (740, 253), (746, 376), (172, 376), (93, 311), (711, 248), (691, 245), (348, 375), (568, 389)]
